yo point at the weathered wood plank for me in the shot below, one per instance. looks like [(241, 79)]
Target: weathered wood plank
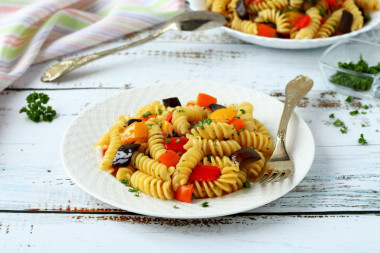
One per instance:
[(95, 233)]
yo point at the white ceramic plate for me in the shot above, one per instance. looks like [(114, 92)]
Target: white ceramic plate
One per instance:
[(287, 43), (80, 159)]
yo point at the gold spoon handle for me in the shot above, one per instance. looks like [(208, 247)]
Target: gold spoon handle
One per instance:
[(60, 69)]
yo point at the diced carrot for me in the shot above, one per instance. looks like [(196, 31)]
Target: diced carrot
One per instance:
[(184, 193), (266, 31), (237, 123), (205, 100), (134, 132), (222, 115), (169, 158)]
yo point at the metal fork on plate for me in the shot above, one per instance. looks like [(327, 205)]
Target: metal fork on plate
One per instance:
[(280, 164)]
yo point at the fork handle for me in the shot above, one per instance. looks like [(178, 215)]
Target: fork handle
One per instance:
[(295, 90)]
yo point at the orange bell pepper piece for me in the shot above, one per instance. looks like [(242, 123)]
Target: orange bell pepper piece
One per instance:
[(237, 123), (205, 100), (184, 193), (266, 31), (134, 132), (169, 158), (222, 115)]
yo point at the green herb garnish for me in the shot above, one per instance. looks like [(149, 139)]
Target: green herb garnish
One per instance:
[(332, 116), (349, 99), (363, 125), (175, 207), (355, 82), (203, 122), (168, 140), (209, 157), (205, 204), (160, 124), (168, 135), (338, 123), (125, 182), (148, 113), (364, 112), (242, 111), (246, 184), (181, 110), (134, 189), (356, 112), (365, 107), (361, 140), (48, 170), (343, 130), (160, 111), (240, 130), (214, 187), (36, 110), (178, 140)]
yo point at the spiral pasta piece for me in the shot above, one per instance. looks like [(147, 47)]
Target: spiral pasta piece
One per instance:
[(152, 186), (295, 3), (219, 6), (217, 161), (371, 5), (125, 173), (115, 143), (245, 26), (180, 123), (311, 29), (226, 183), (267, 4), (214, 131), (153, 168), (185, 166), (358, 21), (260, 128), (216, 148), (194, 113), (104, 141), (330, 25), (322, 4), (276, 17), (256, 140), (156, 142)]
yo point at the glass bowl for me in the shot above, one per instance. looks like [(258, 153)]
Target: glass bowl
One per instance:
[(349, 82)]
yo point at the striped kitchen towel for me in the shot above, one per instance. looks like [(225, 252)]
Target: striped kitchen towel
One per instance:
[(33, 31)]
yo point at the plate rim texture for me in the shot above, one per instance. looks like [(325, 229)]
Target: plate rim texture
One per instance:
[(105, 186)]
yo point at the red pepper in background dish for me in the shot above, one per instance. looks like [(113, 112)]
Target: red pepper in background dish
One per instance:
[(176, 144), (237, 123), (184, 193), (332, 2), (266, 31), (204, 173), (302, 22)]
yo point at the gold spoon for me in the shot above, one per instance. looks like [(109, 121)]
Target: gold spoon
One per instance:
[(188, 21)]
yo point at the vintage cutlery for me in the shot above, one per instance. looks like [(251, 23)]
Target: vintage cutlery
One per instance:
[(280, 164), (188, 21)]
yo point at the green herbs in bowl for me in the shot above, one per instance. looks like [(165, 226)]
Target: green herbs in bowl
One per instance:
[(361, 83), (352, 67)]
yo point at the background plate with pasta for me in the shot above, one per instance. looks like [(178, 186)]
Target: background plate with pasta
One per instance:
[(80, 159), (290, 43)]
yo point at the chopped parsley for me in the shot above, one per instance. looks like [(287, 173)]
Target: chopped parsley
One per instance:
[(246, 184), (349, 99), (160, 111), (168, 140), (209, 157), (48, 170), (36, 110), (343, 130), (377, 130), (134, 164), (159, 124), (361, 140), (332, 116), (214, 187), (364, 112), (240, 130), (363, 125), (365, 107), (363, 83), (205, 204), (125, 182), (242, 111), (338, 123), (203, 122), (148, 113), (134, 189), (168, 135), (181, 110), (356, 112), (178, 140), (175, 207)]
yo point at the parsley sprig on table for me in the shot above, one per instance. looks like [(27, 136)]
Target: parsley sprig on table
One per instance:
[(36, 110)]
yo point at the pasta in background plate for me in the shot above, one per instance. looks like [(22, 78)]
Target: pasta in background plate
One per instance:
[(198, 150), (295, 19)]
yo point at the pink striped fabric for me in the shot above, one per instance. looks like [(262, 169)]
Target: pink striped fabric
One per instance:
[(32, 31)]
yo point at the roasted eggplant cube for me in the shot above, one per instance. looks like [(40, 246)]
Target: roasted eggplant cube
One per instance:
[(124, 155), (171, 102)]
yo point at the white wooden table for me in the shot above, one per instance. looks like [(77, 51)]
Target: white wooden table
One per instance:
[(335, 208)]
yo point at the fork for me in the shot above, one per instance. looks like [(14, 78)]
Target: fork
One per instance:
[(280, 164)]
